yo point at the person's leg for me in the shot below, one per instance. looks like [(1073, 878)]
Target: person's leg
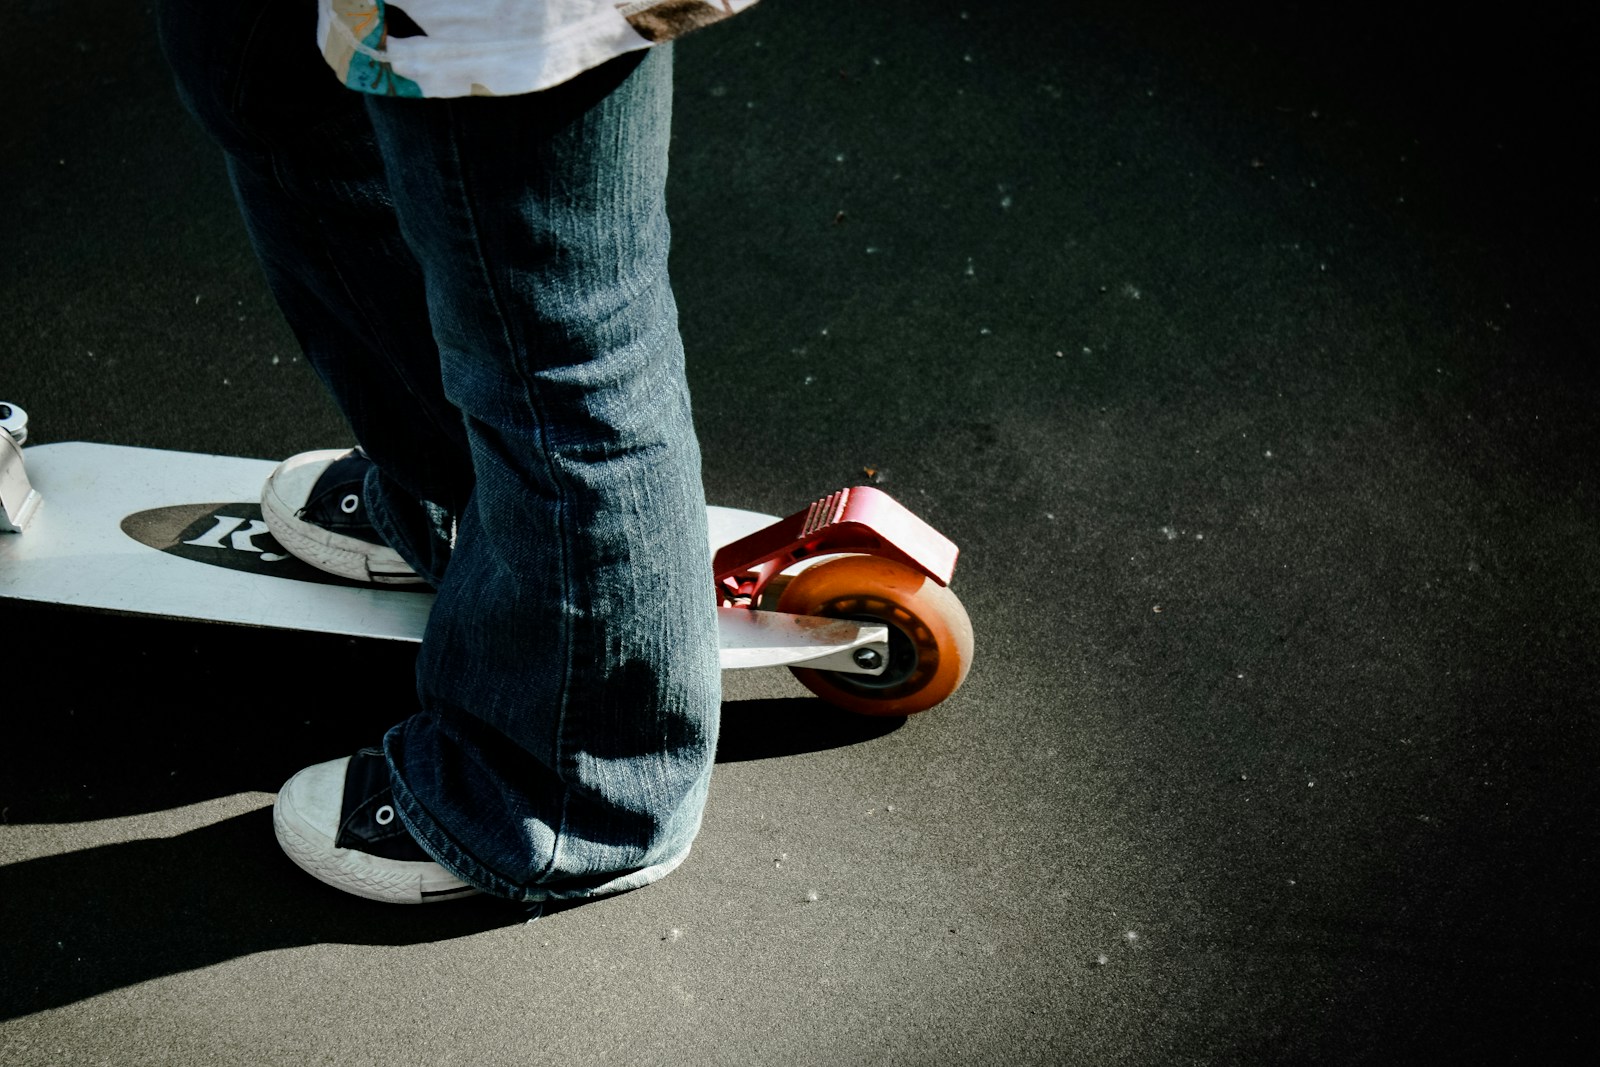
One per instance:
[(569, 674), (310, 184)]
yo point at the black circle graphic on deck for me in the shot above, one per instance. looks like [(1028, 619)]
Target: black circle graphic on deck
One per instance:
[(231, 535)]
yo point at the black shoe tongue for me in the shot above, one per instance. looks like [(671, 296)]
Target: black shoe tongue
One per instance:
[(326, 505), (368, 821)]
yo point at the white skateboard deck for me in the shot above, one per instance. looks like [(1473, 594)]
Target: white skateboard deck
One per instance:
[(180, 535)]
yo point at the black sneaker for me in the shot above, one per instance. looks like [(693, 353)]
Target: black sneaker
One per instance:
[(337, 822), (313, 504)]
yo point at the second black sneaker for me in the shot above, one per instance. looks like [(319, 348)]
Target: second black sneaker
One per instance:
[(337, 822), (315, 505)]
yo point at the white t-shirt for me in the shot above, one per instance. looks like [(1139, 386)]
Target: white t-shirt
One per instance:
[(493, 47)]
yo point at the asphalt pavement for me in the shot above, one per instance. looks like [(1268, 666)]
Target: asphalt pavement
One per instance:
[(1248, 352)]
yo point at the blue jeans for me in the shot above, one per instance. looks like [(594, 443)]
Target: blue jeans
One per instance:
[(482, 284)]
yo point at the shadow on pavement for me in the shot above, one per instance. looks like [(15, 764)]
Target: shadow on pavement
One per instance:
[(162, 714), (86, 922), (767, 729)]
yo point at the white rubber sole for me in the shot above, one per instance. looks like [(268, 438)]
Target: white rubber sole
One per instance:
[(347, 557), (391, 881)]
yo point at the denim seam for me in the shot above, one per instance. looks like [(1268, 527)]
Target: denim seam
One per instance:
[(440, 844), (445, 851), (557, 480)]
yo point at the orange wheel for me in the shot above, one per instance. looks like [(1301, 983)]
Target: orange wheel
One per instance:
[(930, 636)]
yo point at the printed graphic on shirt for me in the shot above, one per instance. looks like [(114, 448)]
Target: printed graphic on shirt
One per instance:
[(451, 48), (368, 22), (662, 20)]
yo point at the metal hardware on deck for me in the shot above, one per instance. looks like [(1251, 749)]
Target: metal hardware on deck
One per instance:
[(777, 639), (18, 498), (14, 421)]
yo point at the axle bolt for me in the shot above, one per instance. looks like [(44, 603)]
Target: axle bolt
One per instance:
[(868, 659), (14, 421)]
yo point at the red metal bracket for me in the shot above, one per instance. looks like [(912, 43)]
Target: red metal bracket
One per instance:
[(856, 520)]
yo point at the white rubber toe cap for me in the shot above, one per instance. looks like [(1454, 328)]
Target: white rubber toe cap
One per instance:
[(291, 481), (306, 821)]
